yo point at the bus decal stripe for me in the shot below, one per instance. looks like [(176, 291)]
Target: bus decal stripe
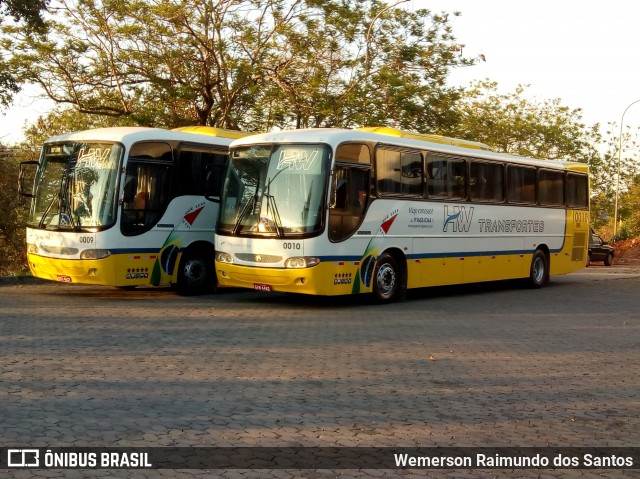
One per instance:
[(451, 254)]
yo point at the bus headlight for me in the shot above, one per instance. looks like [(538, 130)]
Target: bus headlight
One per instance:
[(223, 257), (301, 262), (94, 253), (32, 248)]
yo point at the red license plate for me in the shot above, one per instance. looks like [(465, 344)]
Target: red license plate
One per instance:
[(262, 287), (64, 278)]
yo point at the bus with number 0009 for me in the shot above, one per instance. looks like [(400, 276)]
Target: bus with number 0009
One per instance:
[(127, 206), (378, 210)]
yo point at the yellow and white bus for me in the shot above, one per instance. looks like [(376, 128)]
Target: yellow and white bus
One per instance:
[(334, 212), (127, 206)]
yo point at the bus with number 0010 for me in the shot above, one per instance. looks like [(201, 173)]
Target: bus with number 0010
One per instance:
[(379, 210), (127, 206)]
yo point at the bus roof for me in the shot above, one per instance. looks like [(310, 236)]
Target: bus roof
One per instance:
[(131, 134), (335, 136)]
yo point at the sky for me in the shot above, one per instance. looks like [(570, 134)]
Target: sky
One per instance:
[(585, 53)]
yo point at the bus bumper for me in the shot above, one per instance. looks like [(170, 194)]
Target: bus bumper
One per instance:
[(110, 271), (324, 279)]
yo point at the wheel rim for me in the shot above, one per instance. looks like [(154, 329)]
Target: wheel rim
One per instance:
[(538, 270), (386, 281), (194, 272)]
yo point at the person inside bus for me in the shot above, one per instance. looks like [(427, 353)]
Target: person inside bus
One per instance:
[(134, 203)]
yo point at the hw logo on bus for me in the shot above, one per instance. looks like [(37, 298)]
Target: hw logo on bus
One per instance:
[(459, 218)]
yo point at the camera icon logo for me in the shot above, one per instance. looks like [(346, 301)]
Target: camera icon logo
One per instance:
[(23, 457)]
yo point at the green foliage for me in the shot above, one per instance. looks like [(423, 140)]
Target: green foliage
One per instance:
[(259, 64), (629, 212), (61, 121), (249, 64), (513, 123), (614, 172), (13, 213), (30, 11)]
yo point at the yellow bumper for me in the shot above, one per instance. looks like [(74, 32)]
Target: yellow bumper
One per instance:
[(115, 270), (324, 279)]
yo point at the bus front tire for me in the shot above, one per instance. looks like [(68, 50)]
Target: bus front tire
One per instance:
[(539, 271), (387, 280), (196, 274)]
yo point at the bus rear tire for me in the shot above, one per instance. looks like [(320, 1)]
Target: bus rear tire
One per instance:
[(388, 285), (196, 274), (539, 271)]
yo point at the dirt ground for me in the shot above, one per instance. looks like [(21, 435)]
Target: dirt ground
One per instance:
[(627, 251)]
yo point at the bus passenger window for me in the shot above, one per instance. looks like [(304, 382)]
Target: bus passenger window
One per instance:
[(521, 184), (486, 182), (437, 178), (446, 178), (200, 170), (577, 190), (388, 171), (411, 174), (551, 187), (398, 172)]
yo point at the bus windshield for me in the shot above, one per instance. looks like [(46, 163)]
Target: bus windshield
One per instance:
[(275, 190), (75, 186)]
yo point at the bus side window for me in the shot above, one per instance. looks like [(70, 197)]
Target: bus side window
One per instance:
[(436, 178), (388, 171), (521, 184), (349, 198), (147, 187), (577, 190), (398, 172), (200, 170), (486, 182), (551, 187)]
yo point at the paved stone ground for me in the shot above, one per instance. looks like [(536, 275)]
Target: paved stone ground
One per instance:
[(489, 365)]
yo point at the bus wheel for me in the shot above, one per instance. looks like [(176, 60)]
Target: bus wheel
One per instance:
[(539, 272), (387, 280), (196, 274)]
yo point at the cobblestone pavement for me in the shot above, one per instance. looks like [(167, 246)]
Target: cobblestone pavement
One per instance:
[(488, 365)]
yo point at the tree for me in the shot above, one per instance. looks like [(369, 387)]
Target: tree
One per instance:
[(250, 64), (30, 13), (28, 10), (513, 123), (616, 173), (13, 212), (629, 213), (64, 120), (546, 129)]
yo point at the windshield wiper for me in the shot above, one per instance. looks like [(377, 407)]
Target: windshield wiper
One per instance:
[(247, 207), (271, 204), (66, 202), (58, 197), (41, 223)]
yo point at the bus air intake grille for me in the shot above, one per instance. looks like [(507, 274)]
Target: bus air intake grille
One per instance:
[(259, 258), (59, 250)]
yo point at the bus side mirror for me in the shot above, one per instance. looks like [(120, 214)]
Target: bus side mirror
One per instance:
[(21, 177)]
